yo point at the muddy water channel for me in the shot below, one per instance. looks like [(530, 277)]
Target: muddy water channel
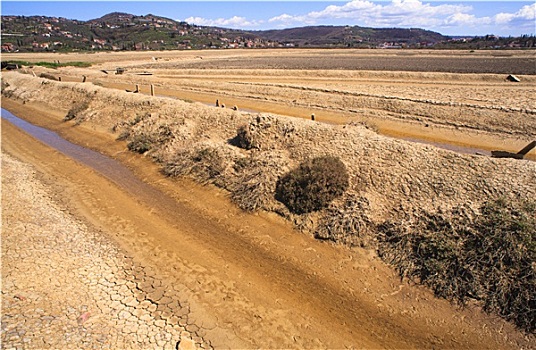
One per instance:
[(107, 167), (121, 176), (104, 165)]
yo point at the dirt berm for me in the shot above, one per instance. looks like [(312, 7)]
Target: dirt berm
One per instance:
[(387, 177), (385, 173)]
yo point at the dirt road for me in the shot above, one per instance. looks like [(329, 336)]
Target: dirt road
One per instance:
[(250, 279)]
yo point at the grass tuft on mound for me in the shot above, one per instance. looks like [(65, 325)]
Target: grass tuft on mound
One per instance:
[(205, 164), (244, 138), (255, 183), (313, 185), (488, 256), (76, 111), (347, 223)]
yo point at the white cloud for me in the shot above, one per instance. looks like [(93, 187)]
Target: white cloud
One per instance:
[(466, 20), (233, 22), (521, 21), (285, 21), (397, 13), (442, 17), (352, 9), (504, 18), (526, 13)]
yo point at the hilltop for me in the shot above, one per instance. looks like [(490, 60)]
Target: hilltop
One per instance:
[(114, 31)]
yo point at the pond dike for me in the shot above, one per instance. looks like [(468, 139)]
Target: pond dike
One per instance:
[(387, 174)]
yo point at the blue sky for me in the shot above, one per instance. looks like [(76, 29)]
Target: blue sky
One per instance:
[(451, 17)]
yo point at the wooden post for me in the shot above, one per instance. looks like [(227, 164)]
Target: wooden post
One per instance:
[(84, 78), (527, 148), (137, 88), (152, 90), (59, 78), (313, 116)]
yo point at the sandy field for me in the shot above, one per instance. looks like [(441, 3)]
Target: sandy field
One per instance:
[(251, 279)]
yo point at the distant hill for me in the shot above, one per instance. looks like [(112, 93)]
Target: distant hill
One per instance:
[(353, 36), (124, 31)]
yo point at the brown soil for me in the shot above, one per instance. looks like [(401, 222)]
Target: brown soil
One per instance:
[(250, 278)]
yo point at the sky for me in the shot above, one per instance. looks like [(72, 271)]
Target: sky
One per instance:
[(451, 17)]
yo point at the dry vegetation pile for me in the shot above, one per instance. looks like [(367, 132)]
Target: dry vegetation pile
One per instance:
[(396, 197), (486, 255), (312, 185)]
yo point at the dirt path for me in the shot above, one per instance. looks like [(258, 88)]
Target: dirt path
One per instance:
[(249, 280)]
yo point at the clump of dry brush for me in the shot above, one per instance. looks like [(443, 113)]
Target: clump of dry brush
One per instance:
[(313, 185), (76, 111), (205, 162), (462, 254), (347, 222), (143, 133), (255, 183)]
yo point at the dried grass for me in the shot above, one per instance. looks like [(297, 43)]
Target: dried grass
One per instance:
[(462, 254), (76, 111), (313, 185), (48, 76), (347, 222), (205, 163), (255, 183)]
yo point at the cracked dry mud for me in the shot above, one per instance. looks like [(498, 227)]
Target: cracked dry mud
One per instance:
[(66, 286)]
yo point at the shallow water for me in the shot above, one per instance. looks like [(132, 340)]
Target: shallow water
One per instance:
[(450, 147), (106, 166)]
